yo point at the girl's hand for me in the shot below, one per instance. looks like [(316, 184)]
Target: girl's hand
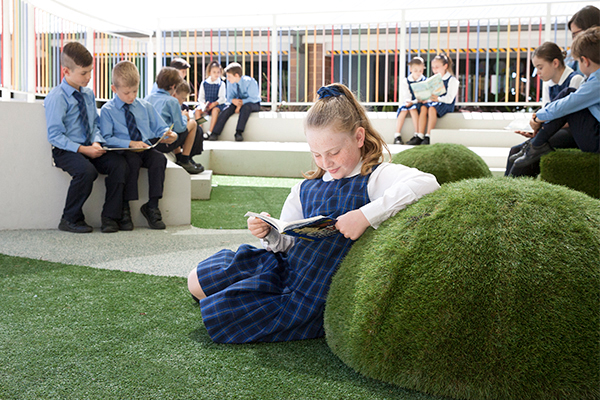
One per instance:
[(352, 224), (258, 227), (434, 97), (409, 104)]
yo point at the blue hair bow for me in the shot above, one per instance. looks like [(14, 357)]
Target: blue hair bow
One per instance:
[(328, 91)]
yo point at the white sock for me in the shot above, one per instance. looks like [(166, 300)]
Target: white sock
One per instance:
[(427, 135), (397, 134), (420, 135)]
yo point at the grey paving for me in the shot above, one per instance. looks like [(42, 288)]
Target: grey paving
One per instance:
[(171, 252)]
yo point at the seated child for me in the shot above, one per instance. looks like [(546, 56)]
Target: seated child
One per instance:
[(407, 96), (170, 110), (587, 17), (580, 109), (278, 293), (182, 91), (242, 97), (437, 107), (180, 65), (129, 122), (548, 59), (72, 123), (212, 93)]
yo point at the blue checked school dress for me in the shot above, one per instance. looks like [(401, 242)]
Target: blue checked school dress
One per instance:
[(442, 108), (415, 106), (254, 295), (211, 93)]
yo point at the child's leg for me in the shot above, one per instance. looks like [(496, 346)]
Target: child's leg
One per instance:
[(432, 119), (423, 116), (194, 285), (115, 167), (401, 118), (134, 163), (414, 115), (156, 164), (186, 148), (245, 112), (225, 114), (214, 116)]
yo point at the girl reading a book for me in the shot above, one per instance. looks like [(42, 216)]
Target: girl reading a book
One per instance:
[(212, 94), (277, 293), (437, 106)]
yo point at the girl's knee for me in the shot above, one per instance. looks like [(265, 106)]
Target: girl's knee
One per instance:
[(194, 285)]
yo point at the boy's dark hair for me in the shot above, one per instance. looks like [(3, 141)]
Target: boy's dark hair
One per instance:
[(587, 44), (548, 51), (183, 87), (446, 61), (179, 63), (585, 18), (167, 78), (75, 54), (234, 69), (416, 61)]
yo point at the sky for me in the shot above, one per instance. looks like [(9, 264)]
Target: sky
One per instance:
[(146, 16)]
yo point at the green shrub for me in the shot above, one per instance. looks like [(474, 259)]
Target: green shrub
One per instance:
[(448, 162), (485, 289), (573, 168)]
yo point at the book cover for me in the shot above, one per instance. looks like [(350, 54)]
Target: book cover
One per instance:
[(314, 228), (434, 85)]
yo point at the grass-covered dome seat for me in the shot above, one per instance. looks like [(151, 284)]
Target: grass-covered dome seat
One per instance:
[(485, 289), (572, 168), (448, 162)]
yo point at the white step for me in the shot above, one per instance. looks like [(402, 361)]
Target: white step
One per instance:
[(201, 185)]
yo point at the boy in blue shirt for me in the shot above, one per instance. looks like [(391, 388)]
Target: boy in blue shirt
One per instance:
[(72, 123), (580, 109), (242, 97), (129, 122), (163, 101)]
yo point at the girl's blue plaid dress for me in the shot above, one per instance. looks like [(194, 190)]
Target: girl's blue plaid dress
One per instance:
[(211, 92), (257, 295)]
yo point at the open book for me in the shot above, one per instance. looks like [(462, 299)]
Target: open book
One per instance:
[(432, 85), (519, 124), (134, 149), (314, 228)]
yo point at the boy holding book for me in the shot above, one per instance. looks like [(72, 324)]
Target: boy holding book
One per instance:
[(72, 123), (242, 98), (129, 122)]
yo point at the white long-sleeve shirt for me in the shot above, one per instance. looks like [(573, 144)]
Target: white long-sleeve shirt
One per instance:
[(391, 187), (405, 94)]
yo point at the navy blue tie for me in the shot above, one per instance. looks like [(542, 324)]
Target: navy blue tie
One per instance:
[(82, 111), (134, 132)]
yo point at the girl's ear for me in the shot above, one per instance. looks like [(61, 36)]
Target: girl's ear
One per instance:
[(555, 63), (360, 136)]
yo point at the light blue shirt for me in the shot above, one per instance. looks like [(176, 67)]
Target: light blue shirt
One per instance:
[(169, 109), (246, 89), (114, 127), (65, 130), (587, 96)]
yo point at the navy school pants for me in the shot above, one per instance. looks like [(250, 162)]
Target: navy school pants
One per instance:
[(245, 112), (156, 163)]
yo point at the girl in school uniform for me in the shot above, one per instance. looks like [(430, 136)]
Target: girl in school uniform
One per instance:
[(278, 293), (411, 105), (212, 93), (436, 107), (558, 79)]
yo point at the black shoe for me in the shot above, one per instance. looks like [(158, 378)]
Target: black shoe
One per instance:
[(398, 140), (521, 152), (75, 227), (190, 168), (153, 217), (125, 223), (109, 225), (426, 140), (533, 155), (212, 137), (239, 137), (415, 141)]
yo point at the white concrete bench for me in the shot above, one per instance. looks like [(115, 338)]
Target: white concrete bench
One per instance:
[(33, 190)]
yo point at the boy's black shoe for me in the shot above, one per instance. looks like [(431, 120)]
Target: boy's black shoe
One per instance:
[(109, 225), (125, 223), (238, 137), (190, 168), (521, 152), (153, 217), (426, 140), (415, 141), (398, 140), (212, 137), (533, 154), (75, 227)]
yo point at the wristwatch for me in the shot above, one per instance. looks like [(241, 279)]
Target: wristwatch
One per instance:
[(535, 119)]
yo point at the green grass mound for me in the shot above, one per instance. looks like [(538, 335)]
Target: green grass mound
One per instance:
[(573, 168), (448, 162), (485, 289)]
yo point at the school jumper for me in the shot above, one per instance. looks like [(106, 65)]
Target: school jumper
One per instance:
[(445, 103), (211, 91), (563, 138), (247, 90), (407, 93), (148, 125), (72, 121), (278, 293)]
